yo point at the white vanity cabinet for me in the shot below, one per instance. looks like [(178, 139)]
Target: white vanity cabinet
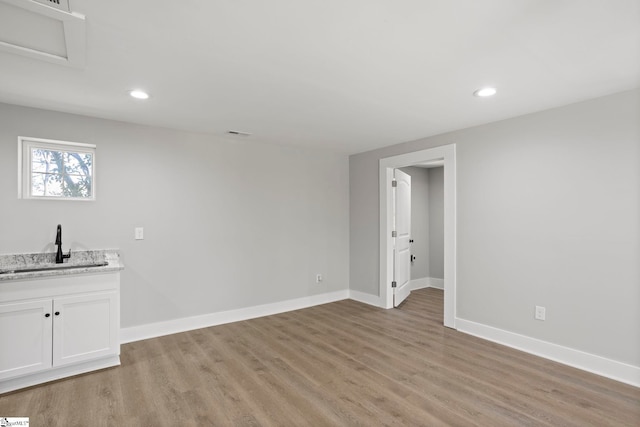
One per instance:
[(56, 327)]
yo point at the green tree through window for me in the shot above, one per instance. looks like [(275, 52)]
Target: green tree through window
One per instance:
[(60, 173)]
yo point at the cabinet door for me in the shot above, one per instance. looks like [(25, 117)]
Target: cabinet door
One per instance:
[(85, 327), (25, 333)]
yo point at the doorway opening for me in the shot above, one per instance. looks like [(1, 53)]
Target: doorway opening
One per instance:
[(446, 155), (427, 227)]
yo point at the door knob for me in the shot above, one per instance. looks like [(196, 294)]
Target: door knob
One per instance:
[(47, 315)]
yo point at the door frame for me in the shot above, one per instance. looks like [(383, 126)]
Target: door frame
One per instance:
[(447, 153)]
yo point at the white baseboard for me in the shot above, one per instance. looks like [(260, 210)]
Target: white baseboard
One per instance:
[(426, 282), (414, 284), (437, 283), (618, 371), (152, 330), (373, 300), (420, 283)]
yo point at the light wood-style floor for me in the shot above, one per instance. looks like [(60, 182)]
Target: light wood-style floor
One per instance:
[(339, 364)]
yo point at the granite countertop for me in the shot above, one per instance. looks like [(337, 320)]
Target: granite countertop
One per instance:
[(37, 265)]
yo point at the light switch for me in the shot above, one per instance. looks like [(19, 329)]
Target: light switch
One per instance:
[(139, 233)]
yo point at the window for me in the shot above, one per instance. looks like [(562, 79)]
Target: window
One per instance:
[(55, 170)]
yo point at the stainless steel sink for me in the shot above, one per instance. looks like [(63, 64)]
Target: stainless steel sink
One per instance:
[(52, 268)]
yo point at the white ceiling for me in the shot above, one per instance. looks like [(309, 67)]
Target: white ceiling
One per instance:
[(345, 75)]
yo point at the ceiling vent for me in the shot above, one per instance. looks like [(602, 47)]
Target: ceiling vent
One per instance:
[(238, 133), (58, 4)]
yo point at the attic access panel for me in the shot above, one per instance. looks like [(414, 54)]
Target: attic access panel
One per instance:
[(58, 4), (40, 31)]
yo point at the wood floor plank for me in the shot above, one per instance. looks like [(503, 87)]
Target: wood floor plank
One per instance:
[(359, 373), (338, 364), (453, 391), (515, 367), (450, 365), (346, 378), (279, 378)]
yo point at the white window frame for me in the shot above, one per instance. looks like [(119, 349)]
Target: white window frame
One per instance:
[(25, 144)]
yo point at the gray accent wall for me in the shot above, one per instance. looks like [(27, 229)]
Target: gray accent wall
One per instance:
[(419, 221), (435, 178), (228, 223), (548, 214), (427, 221)]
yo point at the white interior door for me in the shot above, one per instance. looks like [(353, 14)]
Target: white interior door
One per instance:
[(402, 227)]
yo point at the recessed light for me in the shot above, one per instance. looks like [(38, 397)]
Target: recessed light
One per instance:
[(139, 94), (486, 91)]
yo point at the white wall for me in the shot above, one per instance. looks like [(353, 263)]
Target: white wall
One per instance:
[(228, 223), (548, 214)]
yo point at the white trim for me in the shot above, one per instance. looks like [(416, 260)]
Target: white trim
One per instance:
[(362, 297), (435, 282), (25, 143), (57, 373), (152, 330), (57, 143), (420, 283), (448, 154), (615, 370)]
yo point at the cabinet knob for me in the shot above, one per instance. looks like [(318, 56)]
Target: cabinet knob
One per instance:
[(57, 313), (47, 315)]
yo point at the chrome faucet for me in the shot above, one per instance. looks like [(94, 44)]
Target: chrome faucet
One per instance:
[(60, 257)]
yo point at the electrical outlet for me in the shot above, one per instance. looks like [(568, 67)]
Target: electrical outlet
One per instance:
[(541, 313), (139, 233), (318, 278)]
